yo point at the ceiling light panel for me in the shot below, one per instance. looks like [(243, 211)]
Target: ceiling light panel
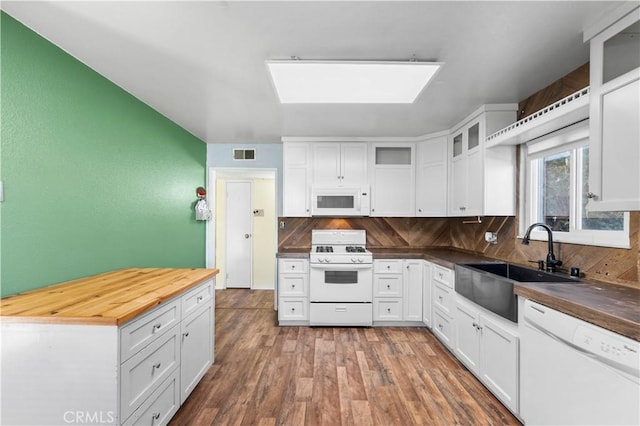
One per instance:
[(355, 82)]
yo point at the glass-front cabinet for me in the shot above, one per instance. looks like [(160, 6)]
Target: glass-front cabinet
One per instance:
[(614, 175)]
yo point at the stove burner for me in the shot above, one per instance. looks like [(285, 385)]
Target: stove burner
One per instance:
[(324, 249), (355, 249)]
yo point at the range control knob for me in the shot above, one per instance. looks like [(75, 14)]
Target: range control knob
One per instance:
[(360, 260), (353, 260), (327, 260)]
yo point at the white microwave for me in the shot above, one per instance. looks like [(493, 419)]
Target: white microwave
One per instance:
[(340, 201)]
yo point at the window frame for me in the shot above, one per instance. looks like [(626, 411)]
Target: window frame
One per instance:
[(571, 138)]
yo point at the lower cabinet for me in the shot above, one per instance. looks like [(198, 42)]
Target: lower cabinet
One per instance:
[(488, 346), (442, 283), (293, 291), (397, 291), (137, 373)]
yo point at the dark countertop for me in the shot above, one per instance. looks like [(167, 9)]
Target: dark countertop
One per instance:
[(610, 306)]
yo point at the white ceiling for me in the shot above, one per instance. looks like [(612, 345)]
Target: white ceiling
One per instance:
[(202, 63)]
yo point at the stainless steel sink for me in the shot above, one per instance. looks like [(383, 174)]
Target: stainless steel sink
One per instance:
[(490, 285)]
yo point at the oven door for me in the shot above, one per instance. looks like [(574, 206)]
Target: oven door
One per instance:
[(341, 283)]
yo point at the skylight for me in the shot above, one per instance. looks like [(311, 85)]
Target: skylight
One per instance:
[(350, 82)]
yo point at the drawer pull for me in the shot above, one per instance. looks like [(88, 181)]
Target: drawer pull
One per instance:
[(440, 326), (155, 416), (293, 286), (154, 366), (293, 266), (199, 299), (389, 286), (293, 309), (186, 334), (440, 297), (389, 310), (388, 266), (156, 327)]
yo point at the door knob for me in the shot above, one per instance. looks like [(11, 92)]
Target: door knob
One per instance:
[(247, 235)]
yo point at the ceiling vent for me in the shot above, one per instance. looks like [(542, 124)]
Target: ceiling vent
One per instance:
[(244, 154)]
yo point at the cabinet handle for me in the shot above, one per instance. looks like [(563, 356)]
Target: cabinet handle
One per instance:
[(592, 196), (462, 208), (474, 325), (440, 327), (199, 299), (154, 366), (388, 266), (186, 334), (156, 327), (155, 416), (389, 310), (293, 309), (293, 266), (419, 210), (293, 286), (389, 286), (440, 298)]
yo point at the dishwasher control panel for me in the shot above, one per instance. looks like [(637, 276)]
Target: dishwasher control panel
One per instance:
[(605, 345)]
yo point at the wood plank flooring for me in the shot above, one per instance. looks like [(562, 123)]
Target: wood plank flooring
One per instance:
[(269, 375)]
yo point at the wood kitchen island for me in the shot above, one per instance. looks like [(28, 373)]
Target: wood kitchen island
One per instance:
[(121, 347)]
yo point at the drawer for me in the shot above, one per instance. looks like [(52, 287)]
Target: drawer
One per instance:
[(294, 309), (387, 266), (387, 309), (443, 327), (443, 275), (140, 332), (292, 265), (160, 407), (196, 297), (387, 285), (354, 314), (292, 285), (443, 298), (141, 375)]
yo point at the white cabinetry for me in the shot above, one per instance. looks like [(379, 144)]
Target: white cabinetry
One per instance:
[(488, 346), (614, 145), (296, 186), (426, 293), (339, 164), (431, 177), (397, 291), (482, 180), (442, 304), (393, 180), (136, 373), (293, 291)]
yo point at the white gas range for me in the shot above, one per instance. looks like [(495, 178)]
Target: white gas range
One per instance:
[(341, 278)]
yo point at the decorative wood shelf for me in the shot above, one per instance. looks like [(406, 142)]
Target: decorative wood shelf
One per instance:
[(566, 111)]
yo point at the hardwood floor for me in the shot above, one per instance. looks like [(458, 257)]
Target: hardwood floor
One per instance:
[(267, 375)]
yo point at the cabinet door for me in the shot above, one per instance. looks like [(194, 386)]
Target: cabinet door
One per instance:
[(499, 358), (467, 336), (458, 181), (353, 164), (614, 175), (443, 327), (196, 353), (426, 294), (326, 164), (474, 183), (412, 297), (614, 109), (393, 186), (431, 178), (296, 180)]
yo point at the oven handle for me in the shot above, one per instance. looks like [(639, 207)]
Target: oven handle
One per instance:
[(340, 267)]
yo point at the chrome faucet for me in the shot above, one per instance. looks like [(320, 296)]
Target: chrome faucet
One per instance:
[(552, 263)]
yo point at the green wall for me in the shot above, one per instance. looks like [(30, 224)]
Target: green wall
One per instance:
[(94, 179)]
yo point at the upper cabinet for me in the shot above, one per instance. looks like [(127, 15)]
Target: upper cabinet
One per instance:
[(431, 177), (296, 179), (482, 179), (614, 145), (339, 164), (393, 179)]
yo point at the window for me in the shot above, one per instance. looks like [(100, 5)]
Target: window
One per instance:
[(556, 187)]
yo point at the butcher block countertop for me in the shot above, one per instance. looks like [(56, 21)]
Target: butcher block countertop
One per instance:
[(111, 298)]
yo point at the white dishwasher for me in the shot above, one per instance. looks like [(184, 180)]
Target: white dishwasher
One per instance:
[(575, 373)]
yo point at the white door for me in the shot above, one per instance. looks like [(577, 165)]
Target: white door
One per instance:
[(239, 262)]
